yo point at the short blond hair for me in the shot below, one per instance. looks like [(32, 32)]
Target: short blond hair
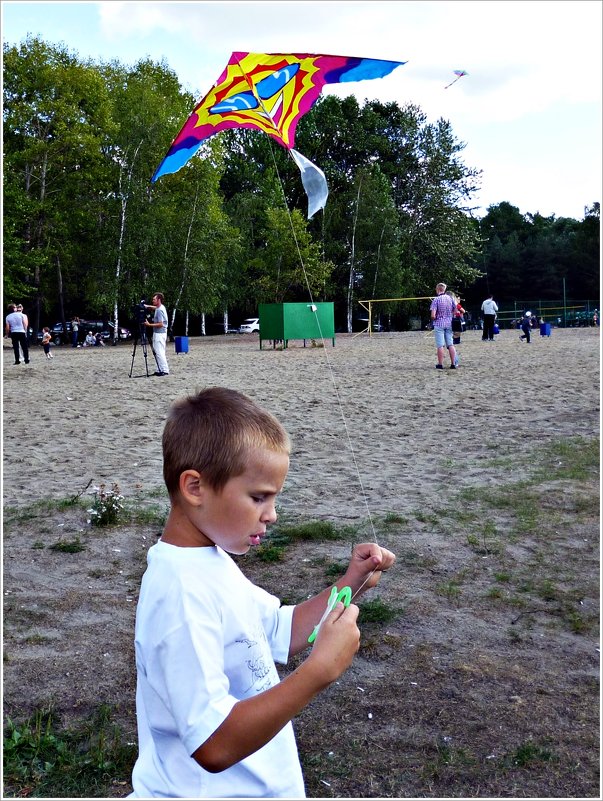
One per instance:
[(440, 287), (213, 433)]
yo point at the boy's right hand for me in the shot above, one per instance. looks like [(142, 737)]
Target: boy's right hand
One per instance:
[(337, 641)]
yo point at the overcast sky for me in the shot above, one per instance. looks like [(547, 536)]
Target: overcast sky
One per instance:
[(529, 109)]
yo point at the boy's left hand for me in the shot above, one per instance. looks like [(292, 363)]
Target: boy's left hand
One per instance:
[(368, 559)]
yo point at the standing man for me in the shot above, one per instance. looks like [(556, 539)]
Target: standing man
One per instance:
[(75, 327), (159, 326), (442, 308), (16, 329), (489, 308)]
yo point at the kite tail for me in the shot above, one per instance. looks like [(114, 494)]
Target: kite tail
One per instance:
[(314, 181)]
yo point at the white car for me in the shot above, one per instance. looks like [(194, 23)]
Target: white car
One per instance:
[(250, 326)]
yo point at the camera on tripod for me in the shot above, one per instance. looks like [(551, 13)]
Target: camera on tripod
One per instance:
[(139, 312)]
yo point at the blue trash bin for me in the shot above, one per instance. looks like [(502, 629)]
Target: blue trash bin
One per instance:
[(181, 344), (545, 329)]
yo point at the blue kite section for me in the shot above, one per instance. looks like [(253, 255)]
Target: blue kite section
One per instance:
[(368, 68), (176, 158)]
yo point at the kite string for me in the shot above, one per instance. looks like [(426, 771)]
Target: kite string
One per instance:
[(313, 306), (331, 374)]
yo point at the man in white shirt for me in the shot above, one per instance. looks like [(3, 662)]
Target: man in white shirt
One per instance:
[(159, 326), (489, 309), (16, 325)]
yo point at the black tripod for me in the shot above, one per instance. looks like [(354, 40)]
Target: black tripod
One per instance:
[(142, 336)]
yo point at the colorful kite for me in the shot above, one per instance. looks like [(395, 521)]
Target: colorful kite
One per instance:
[(270, 92), (459, 74)]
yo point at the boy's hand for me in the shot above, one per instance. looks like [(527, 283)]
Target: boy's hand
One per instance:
[(368, 560), (337, 642)]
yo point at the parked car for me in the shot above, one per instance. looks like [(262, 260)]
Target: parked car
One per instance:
[(106, 329), (250, 326)]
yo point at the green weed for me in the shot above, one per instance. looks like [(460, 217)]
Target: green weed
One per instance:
[(529, 752), (68, 546), (376, 611), (41, 759), (270, 553)]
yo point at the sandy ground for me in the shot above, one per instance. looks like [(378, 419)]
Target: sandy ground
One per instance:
[(375, 429), (371, 411)]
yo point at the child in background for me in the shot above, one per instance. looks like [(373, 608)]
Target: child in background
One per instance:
[(214, 720), (46, 340), (457, 323), (526, 324)]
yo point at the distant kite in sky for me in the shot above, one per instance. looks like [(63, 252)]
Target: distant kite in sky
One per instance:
[(270, 92), (459, 74)]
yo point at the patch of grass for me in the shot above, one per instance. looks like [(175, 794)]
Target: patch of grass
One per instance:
[(318, 530), (42, 759), (579, 624), (153, 515), (36, 639), (273, 547), (335, 569), (97, 573), (527, 753), (38, 545), (424, 517), (376, 611), (394, 519), (68, 546), (547, 591), (450, 589), (40, 507), (447, 758), (270, 552), (575, 459)]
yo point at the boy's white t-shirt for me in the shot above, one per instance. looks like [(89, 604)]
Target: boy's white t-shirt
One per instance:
[(206, 637)]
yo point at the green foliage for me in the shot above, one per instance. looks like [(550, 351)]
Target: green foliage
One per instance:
[(86, 232), (42, 759), (317, 530), (529, 752), (68, 546), (376, 611), (526, 256)]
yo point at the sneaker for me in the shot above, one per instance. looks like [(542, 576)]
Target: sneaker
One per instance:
[(439, 366), (453, 366)]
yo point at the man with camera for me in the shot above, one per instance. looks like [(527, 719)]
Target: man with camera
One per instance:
[(160, 327)]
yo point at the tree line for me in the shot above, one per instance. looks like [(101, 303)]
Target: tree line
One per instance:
[(85, 232)]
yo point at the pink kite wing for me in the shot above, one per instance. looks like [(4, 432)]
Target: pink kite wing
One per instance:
[(268, 92)]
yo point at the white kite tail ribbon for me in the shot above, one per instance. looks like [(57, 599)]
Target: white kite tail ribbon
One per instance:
[(314, 181)]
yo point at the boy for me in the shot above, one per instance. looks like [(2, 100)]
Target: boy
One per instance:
[(46, 341), (213, 718)]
